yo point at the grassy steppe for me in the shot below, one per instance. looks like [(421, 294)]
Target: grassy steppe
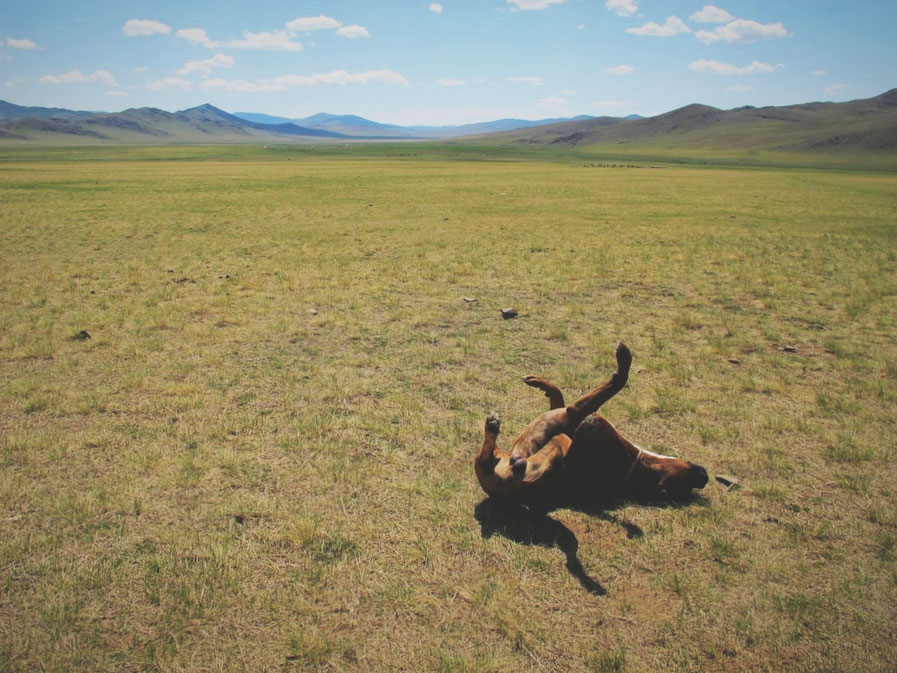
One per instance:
[(261, 460)]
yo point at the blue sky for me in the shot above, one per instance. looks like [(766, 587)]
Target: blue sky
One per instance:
[(447, 62)]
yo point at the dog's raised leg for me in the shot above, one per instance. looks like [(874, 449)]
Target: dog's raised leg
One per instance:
[(592, 400), (552, 392), (486, 457)]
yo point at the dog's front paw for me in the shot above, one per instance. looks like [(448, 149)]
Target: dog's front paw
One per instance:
[(493, 423)]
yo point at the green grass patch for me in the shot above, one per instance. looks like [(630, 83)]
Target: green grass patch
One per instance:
[(260, 457)]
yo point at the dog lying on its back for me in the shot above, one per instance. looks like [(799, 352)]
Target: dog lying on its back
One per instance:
[(573, 446)]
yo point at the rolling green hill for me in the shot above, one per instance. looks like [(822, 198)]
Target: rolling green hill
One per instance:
[(867, 126), (859, 133)]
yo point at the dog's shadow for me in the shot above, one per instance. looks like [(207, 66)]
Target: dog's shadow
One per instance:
[(537, 527)]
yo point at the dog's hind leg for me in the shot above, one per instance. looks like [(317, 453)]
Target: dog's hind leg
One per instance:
[(552, 392), (592, 401)]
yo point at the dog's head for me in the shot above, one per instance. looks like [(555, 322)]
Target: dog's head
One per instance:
[(665, 477), (676, 478)]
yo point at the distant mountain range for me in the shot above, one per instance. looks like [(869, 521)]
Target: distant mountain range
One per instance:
[(864, 126), (351, 125), (860, 126), (207, 123)]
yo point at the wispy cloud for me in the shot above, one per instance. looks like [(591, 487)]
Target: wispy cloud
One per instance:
[(742, 30), (535, 81), (343, 77), (673, 26), (353, 32), (277, 40), (820, 73), (622, 7), (553, 104), (14, 43), (604, 105), (78, 77), (717, 68), (170, 83), (197, 36), (306, 24), (534, 4), (204, 68), (620, 70), (242, 86), (286, 82), (135, 27), (835, 89), (739, 88), (436, 7), (450, 82), (711, 14)]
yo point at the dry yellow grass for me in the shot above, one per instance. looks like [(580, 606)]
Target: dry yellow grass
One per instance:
[(221, 478)]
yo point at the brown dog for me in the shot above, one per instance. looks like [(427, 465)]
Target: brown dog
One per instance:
[(573, 448)]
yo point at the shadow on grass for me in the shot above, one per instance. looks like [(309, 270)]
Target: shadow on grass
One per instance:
[(535, 527)]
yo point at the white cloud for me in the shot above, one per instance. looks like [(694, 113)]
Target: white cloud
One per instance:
[(134, 27), (242, 86), (620, 70), (711, 14), (743, 30), (353, 32), (622, 7), (197, 36), (568, 92), (820, 73), (602, 105), (306, 24), (739, 88), (285, 82), (78, 77), (276, 41), (436, 7), (204, 68), (14, 43), (835, 89), (535, 81), (169, 83), (450, 82), (534, 4), (673, 26), (343, 77), (554, 104), (717, 68)]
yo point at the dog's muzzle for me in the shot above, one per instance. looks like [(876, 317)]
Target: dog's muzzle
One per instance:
[(699, 477)]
